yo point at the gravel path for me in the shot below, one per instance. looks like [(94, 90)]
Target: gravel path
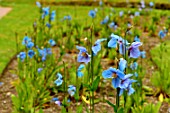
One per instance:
[(4, 11)]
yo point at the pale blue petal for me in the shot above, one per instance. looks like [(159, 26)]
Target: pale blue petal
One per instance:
[(116, 82), (120, 74), (122, 64), (130, 90)]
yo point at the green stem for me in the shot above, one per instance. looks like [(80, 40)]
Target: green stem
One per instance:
[(92, 77), (117, 97), (64, 84)]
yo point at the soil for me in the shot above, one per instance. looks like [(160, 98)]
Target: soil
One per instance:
[(7, 89)]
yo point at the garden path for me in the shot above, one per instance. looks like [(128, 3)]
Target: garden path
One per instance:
[(4, 11)]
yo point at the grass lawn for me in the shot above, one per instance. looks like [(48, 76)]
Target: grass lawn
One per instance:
[(33, 1)]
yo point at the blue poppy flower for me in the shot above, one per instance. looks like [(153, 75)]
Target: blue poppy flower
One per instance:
[(92, 13), (100, 3), (59, 80), (48, 25), (111, 25), (68, 100), (45, 51), (151, 4), (137, 13), (48, 51), (125, 81), (136, 74), (129, 24), (80, 68), (39, 70), (143, 4), (126, 84), (52, 16), (121, 13), (46, 11), (52, 42), (161, 34), (1, 83), (130, 90), (134, 51), (97, 47), (56, 101), (22, 56), (42, 53), (30, 45), (143, 54), (136, 39), (134, 65), (122, 64), (106, 19), (38, 4), (71, 90), (113, 42), (122, 45), (83, 56), (115, 74), (68, 17), (31, 53), (26, 40), (59, 75)]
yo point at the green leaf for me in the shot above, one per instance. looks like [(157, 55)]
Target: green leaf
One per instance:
[(95, 83), (121, 110), (63, 109), (80, 109), (114, 106)]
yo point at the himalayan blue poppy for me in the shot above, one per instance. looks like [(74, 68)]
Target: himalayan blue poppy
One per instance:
[(122, 45), (130, 90), (59, 80), (39, 70), (143, 54), (134, 65), (52, 16), (113, 42), (122, 64), (80, 68), (71, 90), (30, 45), (92, 13), (22, 56), (134, 51), (106, 19), (125, 81), (83, 56), (97, 47), (26, 40), (31, 53), (115, 74), (162, 34), (38, 4), (136, 39), (52, 42)]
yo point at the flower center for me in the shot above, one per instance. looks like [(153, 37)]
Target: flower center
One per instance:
[(114, 75), (84, 54)]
